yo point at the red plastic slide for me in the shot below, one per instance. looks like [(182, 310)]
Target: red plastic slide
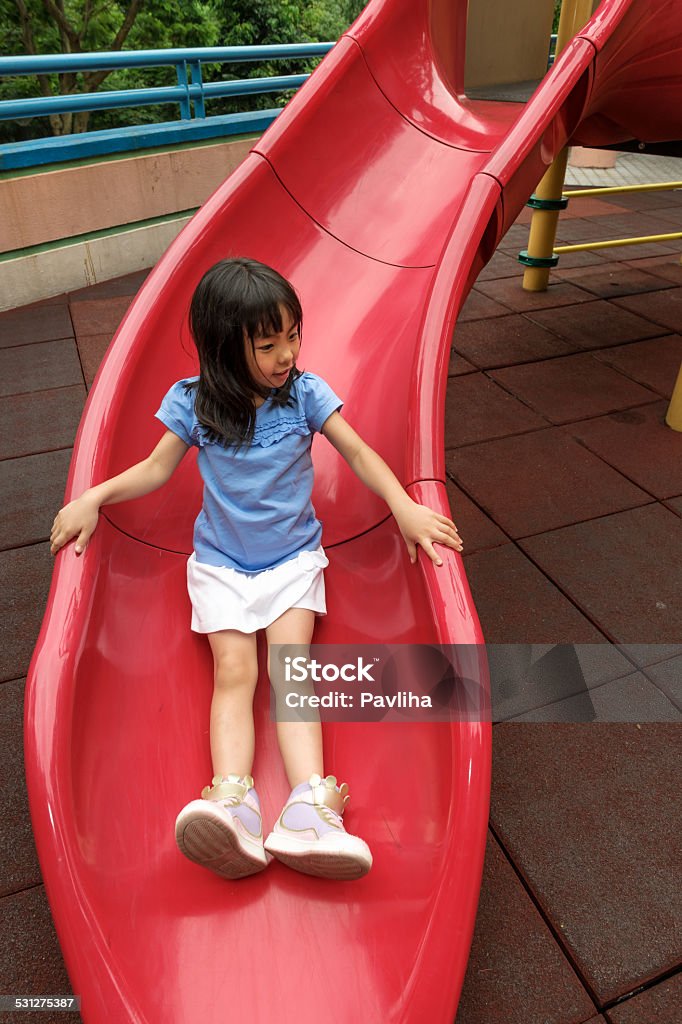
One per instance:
[(380, 192)]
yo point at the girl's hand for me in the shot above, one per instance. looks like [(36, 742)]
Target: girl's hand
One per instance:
[(421, 525), (77, 519)]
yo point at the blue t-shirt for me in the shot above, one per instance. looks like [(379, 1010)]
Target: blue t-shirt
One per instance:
[(257, 511)]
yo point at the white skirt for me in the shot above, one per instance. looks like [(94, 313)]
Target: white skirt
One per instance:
[(223, 598)]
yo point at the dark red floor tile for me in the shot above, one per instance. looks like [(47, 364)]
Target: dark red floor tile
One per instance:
[(26, 325), (597, 324), (675, 504), (540, 678), (476, 409), (458, 365), (499, 266), (516, 972), (659, 1004), (631, 699), (33, 492), (643, 250), (517, 604), (664, 308), (667, 267), (45, 365), (127, 285), (574, 230), (587, 815), (632, 225), (506, 340), (475, 528), (644, 655), (623, 571), (30, 954), (624, 280), (479, 307), (516, 236), (18, 861), (40, 421), (572, 387), (654, 363), (670, 218), (509, 293), (645, 201), (667, 676), (638, 444), (540, 481), (99, 316), (26, 574), (592, 206), (91, 348)]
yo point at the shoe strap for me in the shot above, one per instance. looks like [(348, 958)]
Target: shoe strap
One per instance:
[(326, 792), (223, 787)]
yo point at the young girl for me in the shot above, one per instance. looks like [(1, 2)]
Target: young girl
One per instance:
[(257, 561)]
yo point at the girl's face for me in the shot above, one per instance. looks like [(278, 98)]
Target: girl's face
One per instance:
[(271, 358)]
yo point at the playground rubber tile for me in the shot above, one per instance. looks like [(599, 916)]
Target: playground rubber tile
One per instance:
[(644, 655), (667, 267), (582, 259), (129, 284), (596, 325), (18, 861), (476, 409), (667, 676), (40, 421), (26, 574), (616, 281), (623, 571), (458, 365), (659, 1004), (644, 250), (29, 324), (631, 699), (507, 340), (509, 293), (634, 224), (654, 363), (638, 444), (43, 366), (30, 955), (540, 481), (475, 528), (518, 604), (92, 348), (664, 308), (589, 206), (516, 238), (574, 230), (669, 216), (479, 307), (645, 201), (99, 316), (588, 817), (516, 971), (500, 265), (572, 387), (33, 492), (675, 504)]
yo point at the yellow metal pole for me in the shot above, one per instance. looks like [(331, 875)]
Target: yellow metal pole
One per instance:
[(673, 417), (609, 243), (658, 186), (574, 14)]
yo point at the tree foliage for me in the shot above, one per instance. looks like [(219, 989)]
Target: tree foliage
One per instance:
[(72, 26)]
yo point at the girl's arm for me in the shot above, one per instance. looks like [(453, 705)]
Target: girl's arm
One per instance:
[(417, 523), (79, 518)]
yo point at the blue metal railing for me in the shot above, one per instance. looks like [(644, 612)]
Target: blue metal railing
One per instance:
[(190, 93)]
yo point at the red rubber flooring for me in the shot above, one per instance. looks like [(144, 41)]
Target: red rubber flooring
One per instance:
[(567, 489)]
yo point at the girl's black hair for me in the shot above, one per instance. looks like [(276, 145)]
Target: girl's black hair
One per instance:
[(235, 298)]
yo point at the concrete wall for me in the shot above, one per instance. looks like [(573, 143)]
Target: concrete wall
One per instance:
[(43, 214), (507, 41)]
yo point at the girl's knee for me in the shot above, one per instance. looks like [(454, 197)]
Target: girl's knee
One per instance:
[(233, 668)]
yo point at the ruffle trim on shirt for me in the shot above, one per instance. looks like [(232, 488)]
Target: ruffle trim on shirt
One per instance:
[(265, 434)]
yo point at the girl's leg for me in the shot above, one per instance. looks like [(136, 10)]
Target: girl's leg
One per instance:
[(299, 742), (235, 661)]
